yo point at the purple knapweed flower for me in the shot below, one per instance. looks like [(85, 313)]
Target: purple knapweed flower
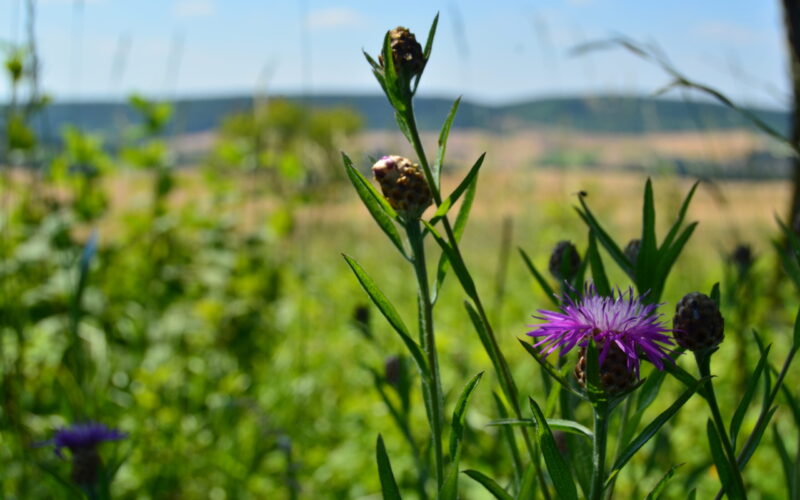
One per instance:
[(83, 436), (82, 440), (621, 319)]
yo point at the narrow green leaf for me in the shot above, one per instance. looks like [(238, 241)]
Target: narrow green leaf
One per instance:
[(593, 384), (465, 183), (527, 490), (508, 434), (662, 484), (598, 270), (378, 207), (459, 413), (548, 290), (650, 390), (673, 232), (654, 426), (388, 484), (715, 295), (390, 313), (788, 464), (796, 336), (550, 369), (556, 465), (554, 423), (426, 53), (458, 231), (490, 484), (744, 404), (645, 262), (372, 62), (668, 257), (692, 495), (726, 474), (443, 134), (458, 265), (754, 439), (608, 243)]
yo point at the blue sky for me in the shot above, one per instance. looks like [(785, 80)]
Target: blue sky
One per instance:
[(497, 51)]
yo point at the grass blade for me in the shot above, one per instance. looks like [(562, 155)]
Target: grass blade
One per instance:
[(548, 290), (443, 135), (752, 385), (726, 474), (659, 488), (490, 484)]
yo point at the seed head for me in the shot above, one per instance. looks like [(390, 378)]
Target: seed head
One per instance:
[(403, 185), (698, 325), (406, 52), (615, 376), (632, 250), (564, 261)]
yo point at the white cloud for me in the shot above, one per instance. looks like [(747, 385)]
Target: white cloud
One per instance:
[(194, 8), (335, 17), (726, 32)]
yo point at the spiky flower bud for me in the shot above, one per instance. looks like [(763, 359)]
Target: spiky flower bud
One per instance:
[(403, 185), (564, 261), (698, 325), (406, 52), (615, 375), (632, 250)]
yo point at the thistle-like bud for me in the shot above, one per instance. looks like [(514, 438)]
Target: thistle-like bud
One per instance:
[(742, 258), (698, 325), (403, 185), (632, 250), (392, 370), (564, 261), (615, 375), (406, 52)]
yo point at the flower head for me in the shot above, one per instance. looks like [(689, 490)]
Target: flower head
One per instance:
[(403, 185), (621, 320), (83, 436)]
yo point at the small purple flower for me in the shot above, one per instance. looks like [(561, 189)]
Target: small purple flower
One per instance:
[(83, 436), (621, 319)]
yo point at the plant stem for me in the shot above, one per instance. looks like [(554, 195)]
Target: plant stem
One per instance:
[(434, 385), (493, 350), (599, 450), (704, 367)]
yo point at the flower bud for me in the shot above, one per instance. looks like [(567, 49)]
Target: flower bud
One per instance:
[(393, 370), (403, 185), (615, 375), (564, 261), (632, 250), (406, 52), (742, 258), (698, 325)]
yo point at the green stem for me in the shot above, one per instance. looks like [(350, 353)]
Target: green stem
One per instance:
[(704, 367), (599, 442), (498, 360), (434, 385), (624, 439)]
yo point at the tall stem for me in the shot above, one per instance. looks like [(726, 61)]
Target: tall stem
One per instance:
[(428, 339), (599, 451), (493, 350), (704, 367)]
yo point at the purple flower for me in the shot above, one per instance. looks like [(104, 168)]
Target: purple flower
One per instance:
[(621, 319), (84, 436)]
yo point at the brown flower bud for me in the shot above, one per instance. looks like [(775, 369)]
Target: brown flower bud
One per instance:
[(403, 185), (564, 261), (698, 325), (615, 376), (406, 52)]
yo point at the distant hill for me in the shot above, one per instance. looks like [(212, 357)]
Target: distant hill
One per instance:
[(606, 114)]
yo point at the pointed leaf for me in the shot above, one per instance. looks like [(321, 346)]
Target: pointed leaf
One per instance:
[(445, 132), (378, 207), (527, 490), (465, 183), (556, 465), (508, 433), (388, 484), (390, 313), (550, 369), (458, 265), (598, 270), (548, 290), (654, 426), (608, 243), (752, 385), (659, 488), (726, 474), (490, 484), (681, 216)]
